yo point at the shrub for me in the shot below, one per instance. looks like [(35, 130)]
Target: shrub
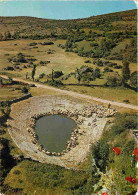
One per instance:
[(57, 74), (24, 90), (126, 101), (87, 61), (122, 123), (47, 43), (55, 83), (112, 81), (133, 79), (97, 73), (93, 44), (33, 44), (106, 69), (100, 152), (41, 75)]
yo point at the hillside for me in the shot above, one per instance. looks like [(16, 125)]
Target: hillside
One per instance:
[(86, 61), (24, 24), (98, 44)]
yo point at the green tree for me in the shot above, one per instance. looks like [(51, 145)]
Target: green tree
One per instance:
[(125, 72), (52, 75), (10, 80), (97, 73), (1, 82), (112, 81), (1, 37), (33, 71), (16, 35), (78, 75), (5, 36), (9, 35), (68, 44), (133, 79)]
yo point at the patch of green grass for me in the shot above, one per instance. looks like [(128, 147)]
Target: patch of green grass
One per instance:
[(44, 178)]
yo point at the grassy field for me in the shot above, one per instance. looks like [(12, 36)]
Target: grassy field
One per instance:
[(59, 60), (10, 93), (117, 94)]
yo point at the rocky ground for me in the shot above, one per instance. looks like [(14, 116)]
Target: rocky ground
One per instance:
[(90, 120)]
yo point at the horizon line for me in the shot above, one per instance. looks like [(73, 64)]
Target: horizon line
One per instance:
[(66, 19)]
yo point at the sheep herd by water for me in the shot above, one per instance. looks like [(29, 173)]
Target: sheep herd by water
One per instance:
[(78, 116)]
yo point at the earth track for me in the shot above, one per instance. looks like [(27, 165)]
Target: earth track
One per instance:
[(75, 94)]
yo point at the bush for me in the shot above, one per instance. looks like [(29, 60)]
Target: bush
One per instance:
[(97, 73), (41, 75), (122, 123), (94, 44), (55, 83), (106, 69), (87, 61), (126, 101), (24, 90), (133, 79), (57, 74), (33, 44), (100, 152), (47, 43), (112, 81)]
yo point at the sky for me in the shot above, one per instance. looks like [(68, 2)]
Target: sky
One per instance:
[(63, 9)]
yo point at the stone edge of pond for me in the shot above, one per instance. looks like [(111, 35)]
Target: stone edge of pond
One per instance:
[(75, 133), (87, 112)]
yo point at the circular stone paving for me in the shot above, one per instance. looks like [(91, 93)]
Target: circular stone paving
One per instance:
[(90, 120)]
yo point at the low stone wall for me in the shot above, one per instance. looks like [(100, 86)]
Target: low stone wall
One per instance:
[(90, 120), (20, 99), (24, 97)]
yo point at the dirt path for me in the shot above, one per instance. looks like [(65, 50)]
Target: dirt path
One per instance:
[(75, 94)]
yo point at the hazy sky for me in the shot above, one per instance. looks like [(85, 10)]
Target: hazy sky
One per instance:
[(63, 9)]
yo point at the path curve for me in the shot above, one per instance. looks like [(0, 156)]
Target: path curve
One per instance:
[(75, 94)]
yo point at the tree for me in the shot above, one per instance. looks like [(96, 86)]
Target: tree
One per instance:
[(68, 44), (33, 72), (78, 75), (97, 73), (9, 35), (125, 72), (10, 79), (16, 35), (5, 36), (1, 37), (112, 81), (52, 75), (133, 79), (26, 76), (1, 82)]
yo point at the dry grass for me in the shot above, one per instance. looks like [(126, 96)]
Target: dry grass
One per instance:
[(39, 91), (113, 94), (9, 93), (59, 60)]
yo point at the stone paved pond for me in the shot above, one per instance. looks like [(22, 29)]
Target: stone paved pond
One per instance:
[(90, 121), (54, 131)]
